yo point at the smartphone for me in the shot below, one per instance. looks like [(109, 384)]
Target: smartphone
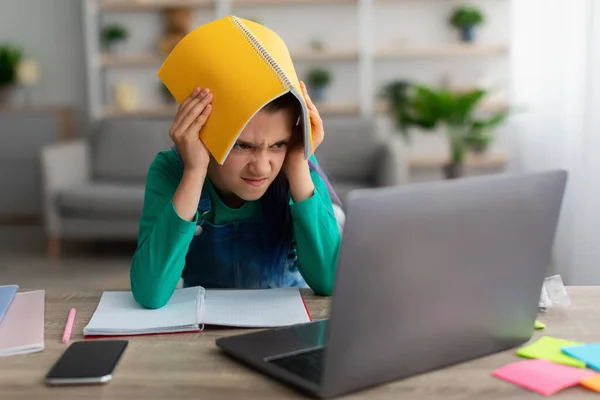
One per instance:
[(87, 362)]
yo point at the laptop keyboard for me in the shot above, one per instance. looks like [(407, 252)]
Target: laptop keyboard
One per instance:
[(306, 364)]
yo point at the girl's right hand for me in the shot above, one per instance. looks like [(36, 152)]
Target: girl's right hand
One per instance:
[(191, 117)]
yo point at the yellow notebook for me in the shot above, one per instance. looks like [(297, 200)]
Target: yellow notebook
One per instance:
[(245, 65)]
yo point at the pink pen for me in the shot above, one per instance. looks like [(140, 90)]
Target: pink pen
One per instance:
[(69, 326)]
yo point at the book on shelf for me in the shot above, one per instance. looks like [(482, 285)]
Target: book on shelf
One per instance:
[(190, 309)]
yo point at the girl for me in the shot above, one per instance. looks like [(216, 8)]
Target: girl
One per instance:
[(263, 219)]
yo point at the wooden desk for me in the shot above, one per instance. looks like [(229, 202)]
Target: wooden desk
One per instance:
[(189, 366)]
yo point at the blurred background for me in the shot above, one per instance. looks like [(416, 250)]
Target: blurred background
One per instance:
[(410, 91)]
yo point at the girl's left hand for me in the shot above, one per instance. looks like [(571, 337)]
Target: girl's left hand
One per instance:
[(296, 155)]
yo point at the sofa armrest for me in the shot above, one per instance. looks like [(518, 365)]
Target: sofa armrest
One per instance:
[(63, 164), (392, 169)]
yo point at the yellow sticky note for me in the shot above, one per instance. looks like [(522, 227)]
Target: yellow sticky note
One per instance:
[(549, 348), (592, 383), (539, 324)]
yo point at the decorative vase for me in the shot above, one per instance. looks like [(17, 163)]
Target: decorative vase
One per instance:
[(467, 33), (453, 171), (115, 46), (5, 94), (317, 93), (454, 168)]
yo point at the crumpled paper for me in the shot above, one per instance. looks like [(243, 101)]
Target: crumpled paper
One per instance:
[(554, 293)]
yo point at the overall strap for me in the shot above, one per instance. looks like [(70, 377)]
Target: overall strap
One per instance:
[(204, 203)]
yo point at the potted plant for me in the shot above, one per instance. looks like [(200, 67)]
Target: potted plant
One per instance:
[(113, 37), (466, 19), (10, 57), (395, 96), (427, 108), (318, 80)]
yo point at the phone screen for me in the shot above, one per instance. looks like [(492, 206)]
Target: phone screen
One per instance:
[(87, 362)]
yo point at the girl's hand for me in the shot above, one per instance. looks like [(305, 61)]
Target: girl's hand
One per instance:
[(295, 154), (296, 167), (191, 117)]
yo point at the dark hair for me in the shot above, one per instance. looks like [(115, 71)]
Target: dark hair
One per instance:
[(286, 102), (289, 102), (276, 200)]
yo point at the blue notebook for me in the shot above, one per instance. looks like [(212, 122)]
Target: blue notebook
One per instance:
[(7, 294)]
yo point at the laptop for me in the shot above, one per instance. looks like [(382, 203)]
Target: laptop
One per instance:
[(429, 275)]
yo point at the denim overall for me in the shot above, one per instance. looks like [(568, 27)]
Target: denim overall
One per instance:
[(257, 254)]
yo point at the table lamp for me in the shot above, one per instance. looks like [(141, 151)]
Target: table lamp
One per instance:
[(28, 75)]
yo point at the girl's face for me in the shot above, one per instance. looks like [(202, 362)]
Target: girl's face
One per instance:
[(255, 160)]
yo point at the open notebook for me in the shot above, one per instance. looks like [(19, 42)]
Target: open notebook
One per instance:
[(189, 309)]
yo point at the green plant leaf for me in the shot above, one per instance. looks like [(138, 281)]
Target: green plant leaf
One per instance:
[(420, 106), (466, 16), (493, 121), (465, 105), (113, 33), (319, 77), (10, 57)]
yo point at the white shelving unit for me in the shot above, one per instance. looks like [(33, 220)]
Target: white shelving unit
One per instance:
[(289, 2), (376, 44), (120, 5), (447, 50)]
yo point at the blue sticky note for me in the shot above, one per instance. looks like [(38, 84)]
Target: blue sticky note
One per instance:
[(588, 353), (7, 294)]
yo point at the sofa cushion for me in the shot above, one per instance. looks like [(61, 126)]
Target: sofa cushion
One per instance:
[(350, 149), (123, 149), (342, 188), (103, 200)]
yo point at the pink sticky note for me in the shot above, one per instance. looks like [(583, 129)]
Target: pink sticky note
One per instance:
[(542, 376)]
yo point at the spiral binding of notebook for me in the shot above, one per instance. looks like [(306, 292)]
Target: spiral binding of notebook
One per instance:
[(262, 52), (278, 72)]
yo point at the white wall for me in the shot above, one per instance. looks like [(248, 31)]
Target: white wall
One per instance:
[(50, 31), (556, 74)]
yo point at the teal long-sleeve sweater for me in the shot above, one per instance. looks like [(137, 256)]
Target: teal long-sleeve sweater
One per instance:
[(164, 237)]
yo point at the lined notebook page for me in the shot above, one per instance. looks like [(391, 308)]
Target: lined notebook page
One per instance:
[(119, 314), (254, 308)]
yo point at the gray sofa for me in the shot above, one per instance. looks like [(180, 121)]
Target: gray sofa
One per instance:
[(93, 188), (361, 153)]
